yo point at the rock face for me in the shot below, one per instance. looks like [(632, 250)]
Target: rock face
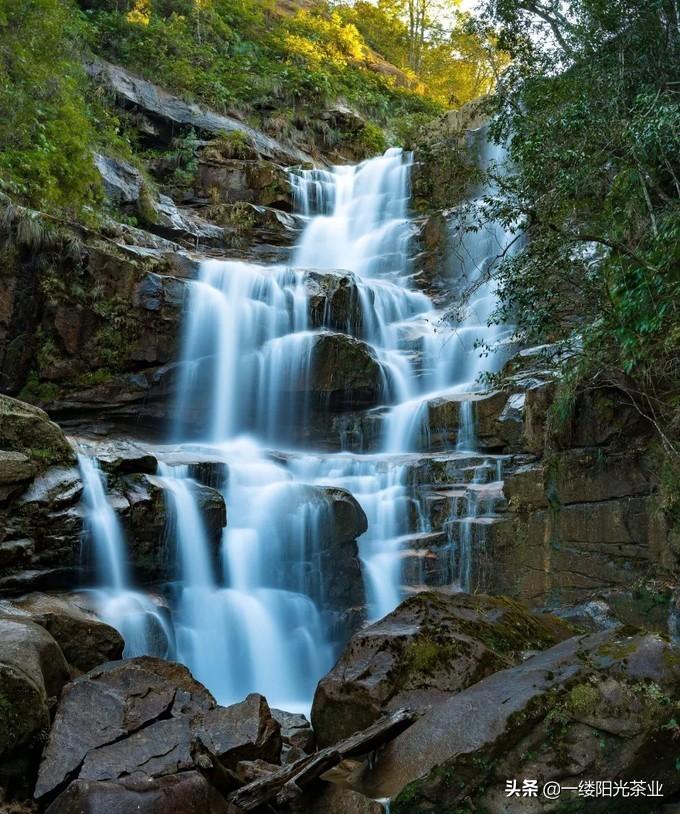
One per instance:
[(433, 645), (40, 533), (169, 113), (582, 523), (32, 674), (100, 345), (146, 720), (589, 707)]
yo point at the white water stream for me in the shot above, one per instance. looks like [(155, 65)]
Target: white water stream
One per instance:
[(256, 617)]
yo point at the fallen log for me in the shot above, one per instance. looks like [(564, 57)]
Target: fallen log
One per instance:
[(311, 767)]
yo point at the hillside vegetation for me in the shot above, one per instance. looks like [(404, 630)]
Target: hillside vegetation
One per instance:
[(275, 65)]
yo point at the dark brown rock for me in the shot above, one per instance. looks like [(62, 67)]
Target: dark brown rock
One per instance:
[(296, 730), (430, 647), (243, 731), (84, 639), (110, 704)]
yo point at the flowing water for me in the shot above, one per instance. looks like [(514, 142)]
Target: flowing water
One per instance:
[(143, 627), (255, 616)]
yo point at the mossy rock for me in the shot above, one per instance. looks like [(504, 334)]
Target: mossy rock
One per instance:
[(431, 647), (28, 429)]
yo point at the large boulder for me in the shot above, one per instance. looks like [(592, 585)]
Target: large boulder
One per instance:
[(433, 645), (32, 673), (105, 707), (84, 639), (143, 721), (591, 707)]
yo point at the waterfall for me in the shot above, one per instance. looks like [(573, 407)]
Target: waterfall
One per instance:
[(144, 629), (255, 615)]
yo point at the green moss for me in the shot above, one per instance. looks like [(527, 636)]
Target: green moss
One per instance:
[(38, 392), (94, 377)]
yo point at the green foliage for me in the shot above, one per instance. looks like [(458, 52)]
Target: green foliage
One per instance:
[(227, 54), (590, 112), (45, 130)]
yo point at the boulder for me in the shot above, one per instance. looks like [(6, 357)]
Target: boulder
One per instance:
[(28, 429), (295, 730), (432, 646), (145, 720), (84, 639), (32, 673), (108, 705), (593, 706), (242, 732), (184, 793)]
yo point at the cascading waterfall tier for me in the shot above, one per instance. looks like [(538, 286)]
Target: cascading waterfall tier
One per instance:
[(257, 617)]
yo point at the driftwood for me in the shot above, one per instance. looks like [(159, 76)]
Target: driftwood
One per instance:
[(311, 767)]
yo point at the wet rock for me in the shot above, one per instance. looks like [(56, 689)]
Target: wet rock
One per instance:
[(430, 647), (40, 536), (494, 429), (296, 730), (184, 793), (146, 518), (242, 732), (108, 705), (123, 457), (84, 639), (32, 673), (588, 707), (345, 374), (28, 429), (334, 301)]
